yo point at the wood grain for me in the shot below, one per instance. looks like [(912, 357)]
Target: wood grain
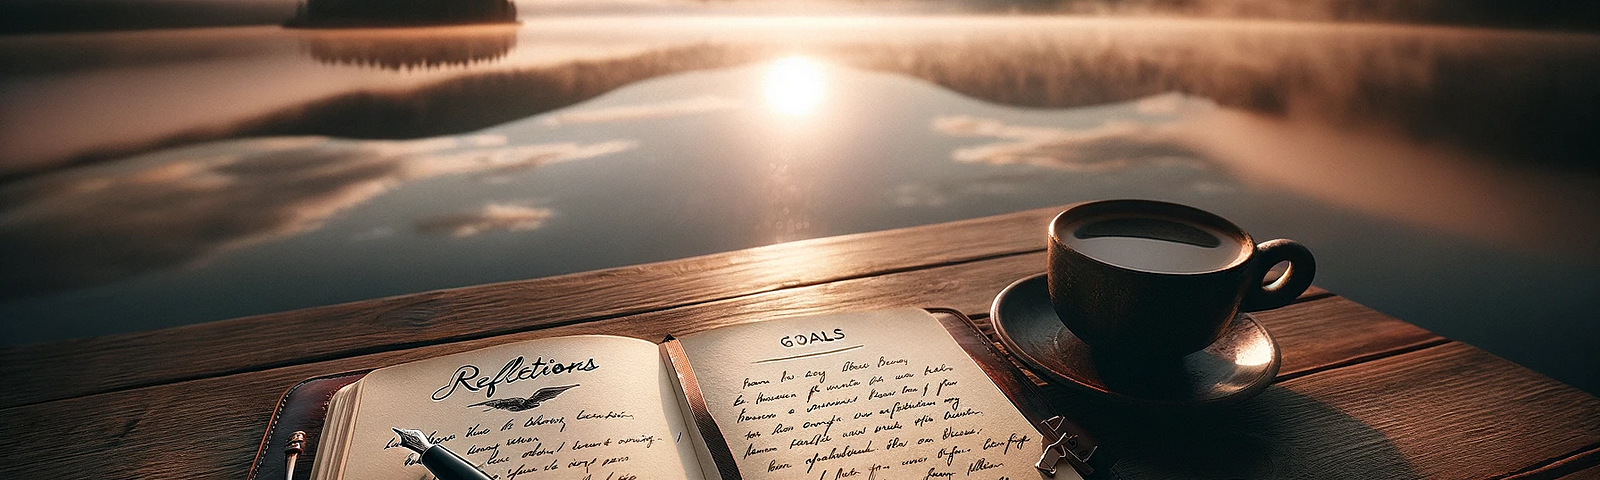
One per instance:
[(1449, 411), (154, 430), (108, 363)]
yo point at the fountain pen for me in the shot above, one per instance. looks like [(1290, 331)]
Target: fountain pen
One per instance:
[(441, 462)]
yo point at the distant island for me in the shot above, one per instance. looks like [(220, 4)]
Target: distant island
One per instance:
[(400, 13)]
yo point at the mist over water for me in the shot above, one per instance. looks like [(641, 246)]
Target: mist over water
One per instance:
[(1442, 175)]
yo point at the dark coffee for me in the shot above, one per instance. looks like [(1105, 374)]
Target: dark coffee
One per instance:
[(1146, 279), (1154, 244)]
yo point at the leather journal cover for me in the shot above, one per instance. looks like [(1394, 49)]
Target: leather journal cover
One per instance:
[(305, 405), (301, 409)]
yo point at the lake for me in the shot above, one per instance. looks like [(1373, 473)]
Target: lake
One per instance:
[(151, 179)]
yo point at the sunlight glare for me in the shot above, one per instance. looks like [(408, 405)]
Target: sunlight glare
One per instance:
[(1259, 353), (794, 86)]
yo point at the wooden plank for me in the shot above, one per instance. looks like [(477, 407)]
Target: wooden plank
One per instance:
[(153, 431), (1308, 346), (1449, 411), (1579, 466), (1591, 473), (102, 364)]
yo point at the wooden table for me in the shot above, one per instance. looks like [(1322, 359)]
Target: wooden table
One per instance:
[(1360, 395)]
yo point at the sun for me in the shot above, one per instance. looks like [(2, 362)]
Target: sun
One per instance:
[(794, 86)]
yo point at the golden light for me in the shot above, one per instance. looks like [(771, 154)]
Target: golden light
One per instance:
[(794, 86), (1259, 353)]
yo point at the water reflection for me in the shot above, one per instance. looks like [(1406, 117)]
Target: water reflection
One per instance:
[(1384, 174), (180, 207), (1112, 146), (1429, 84), (666, 109), (1375, 171), (411, 48), (490, 218)]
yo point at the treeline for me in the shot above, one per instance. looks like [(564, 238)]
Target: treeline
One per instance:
[(1543, 14), (380, 13), (51, 16)]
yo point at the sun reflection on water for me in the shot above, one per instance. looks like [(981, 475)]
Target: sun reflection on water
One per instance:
[(795, 86)]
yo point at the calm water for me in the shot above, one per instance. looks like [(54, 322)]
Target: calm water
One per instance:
[(1444, 176)]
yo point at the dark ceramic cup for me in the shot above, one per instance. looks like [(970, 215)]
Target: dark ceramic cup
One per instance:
[(1155, 280)]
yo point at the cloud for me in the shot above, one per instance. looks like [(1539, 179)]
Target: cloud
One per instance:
[(1113, 146), (501, 160), (624, 113), (492, 217), (95, 225), (374, 234), (918, 195)]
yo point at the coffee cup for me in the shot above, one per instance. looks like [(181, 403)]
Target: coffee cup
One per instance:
[(1154, 280)]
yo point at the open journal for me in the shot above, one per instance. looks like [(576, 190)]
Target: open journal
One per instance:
[(868, 395)]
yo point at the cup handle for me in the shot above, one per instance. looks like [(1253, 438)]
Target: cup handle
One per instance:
[(1302, 267)]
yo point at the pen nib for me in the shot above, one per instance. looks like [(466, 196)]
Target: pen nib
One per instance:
[(413, 440)]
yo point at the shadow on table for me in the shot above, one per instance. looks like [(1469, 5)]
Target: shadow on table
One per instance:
[(1278, 434)]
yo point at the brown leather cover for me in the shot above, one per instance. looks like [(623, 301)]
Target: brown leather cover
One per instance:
[(302, 408), (304, 405)]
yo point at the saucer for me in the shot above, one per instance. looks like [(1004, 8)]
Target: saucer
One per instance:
[(1238, 366)]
